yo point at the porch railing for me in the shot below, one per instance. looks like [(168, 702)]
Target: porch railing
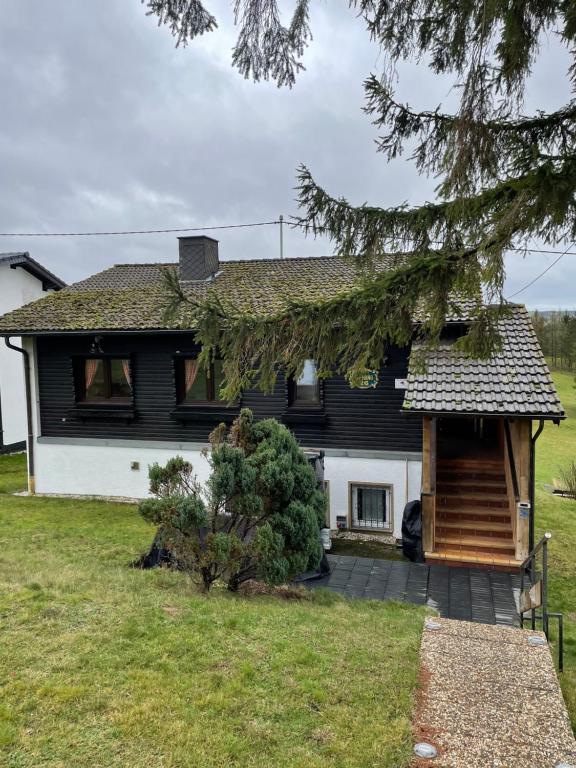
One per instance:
[(534, 598)]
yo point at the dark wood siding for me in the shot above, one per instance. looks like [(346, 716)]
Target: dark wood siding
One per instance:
[(368, 419)]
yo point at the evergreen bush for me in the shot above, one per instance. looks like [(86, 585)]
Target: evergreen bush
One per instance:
[(258, 516)]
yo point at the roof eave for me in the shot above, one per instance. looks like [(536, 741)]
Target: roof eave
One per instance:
[(49, 281), (94, 332), (484, 414)]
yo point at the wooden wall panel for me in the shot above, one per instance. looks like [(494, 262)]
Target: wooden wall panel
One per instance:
[(367, 419)]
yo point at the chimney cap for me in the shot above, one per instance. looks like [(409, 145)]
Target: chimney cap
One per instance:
[(198, 237)]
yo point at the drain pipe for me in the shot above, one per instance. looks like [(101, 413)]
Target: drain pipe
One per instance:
[(533, 481), (26, 357)]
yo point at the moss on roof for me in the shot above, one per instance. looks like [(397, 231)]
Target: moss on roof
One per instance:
[(132, 296)]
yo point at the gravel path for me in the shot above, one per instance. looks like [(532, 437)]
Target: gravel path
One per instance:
[(489, 699)]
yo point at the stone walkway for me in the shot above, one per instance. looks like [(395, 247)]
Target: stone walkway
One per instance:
[(488, 597), (490, 699)]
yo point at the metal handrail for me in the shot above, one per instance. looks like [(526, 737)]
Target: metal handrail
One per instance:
[(529, 566), (542, 543)]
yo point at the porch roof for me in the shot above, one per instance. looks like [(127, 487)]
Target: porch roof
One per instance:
[(516, 381)]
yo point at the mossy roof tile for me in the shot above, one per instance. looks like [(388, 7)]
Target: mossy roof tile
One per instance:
[(132, 296)]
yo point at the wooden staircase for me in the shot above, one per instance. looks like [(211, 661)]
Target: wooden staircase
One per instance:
[(473, 518)]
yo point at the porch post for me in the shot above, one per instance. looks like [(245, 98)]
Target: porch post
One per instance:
[(523, 434), (428, 482)]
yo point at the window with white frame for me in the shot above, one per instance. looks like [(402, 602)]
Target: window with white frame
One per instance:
[(371, 506)]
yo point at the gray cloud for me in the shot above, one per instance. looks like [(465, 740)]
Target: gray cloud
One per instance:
[(107, 126)]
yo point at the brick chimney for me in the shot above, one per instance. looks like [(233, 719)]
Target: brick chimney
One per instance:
[(198, 257)]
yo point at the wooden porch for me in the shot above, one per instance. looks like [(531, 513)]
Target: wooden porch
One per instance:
[(476, 491)]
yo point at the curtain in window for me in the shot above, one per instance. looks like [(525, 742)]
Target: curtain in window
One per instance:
[(369, 509), (127, 372), (90, 371), (373, 502), (190, 373)]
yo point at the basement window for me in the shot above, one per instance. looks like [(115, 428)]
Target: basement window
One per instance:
[(370, 506), (104, 380)]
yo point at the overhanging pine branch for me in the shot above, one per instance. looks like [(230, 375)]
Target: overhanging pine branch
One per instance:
[(536, 198)]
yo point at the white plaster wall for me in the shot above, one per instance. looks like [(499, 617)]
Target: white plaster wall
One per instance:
[(403, 474), (104, 469), (17, 288)]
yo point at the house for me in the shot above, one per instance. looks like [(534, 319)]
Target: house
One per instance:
[(21, 280), (116, 388)]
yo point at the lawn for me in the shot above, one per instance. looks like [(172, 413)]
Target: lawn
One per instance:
[(105, 665), (13, 476), (109, 666), (554, 449)]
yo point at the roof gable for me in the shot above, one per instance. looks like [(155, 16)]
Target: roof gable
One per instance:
[(23, 260)]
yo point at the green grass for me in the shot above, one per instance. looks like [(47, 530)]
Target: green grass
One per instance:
[(107, 666), (13, 476), (358, 548), (554, 449)]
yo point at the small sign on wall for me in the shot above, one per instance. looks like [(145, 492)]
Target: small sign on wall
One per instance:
[(400, 383), (369, 379)]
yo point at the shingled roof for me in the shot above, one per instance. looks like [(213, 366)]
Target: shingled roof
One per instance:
[(132, 296), (516, 381)]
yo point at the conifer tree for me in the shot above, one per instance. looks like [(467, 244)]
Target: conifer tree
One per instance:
[(505, 178), (258, 516)]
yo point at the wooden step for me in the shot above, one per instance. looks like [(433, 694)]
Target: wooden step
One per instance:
[(472, 496), (475, 525), (453, 557), (488, 476), (460, 465), (494, 458), (469, 511), (454, 541), (474, 486), (462, 469)]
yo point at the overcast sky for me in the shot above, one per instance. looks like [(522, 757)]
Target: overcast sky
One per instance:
[(106, 126)]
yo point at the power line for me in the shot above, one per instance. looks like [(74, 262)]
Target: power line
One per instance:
[(173, 230), (137, 231), (542, 250), (535, 280)]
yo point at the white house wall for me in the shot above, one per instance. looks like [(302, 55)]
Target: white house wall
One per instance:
[(17, 287), (105, 468), (120, 468), (401, 473)]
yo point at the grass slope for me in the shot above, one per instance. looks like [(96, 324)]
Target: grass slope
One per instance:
[(554, 449), (106, 666)]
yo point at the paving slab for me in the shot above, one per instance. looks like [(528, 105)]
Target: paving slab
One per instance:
[(489, 699), (467, 594)]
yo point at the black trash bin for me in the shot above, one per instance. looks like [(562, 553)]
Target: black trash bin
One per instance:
[(412, 532)]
